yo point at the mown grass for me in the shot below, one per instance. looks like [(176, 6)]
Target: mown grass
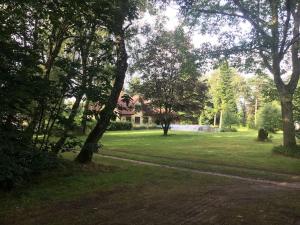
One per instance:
[(50, 198), (76, 181), (237, 152)]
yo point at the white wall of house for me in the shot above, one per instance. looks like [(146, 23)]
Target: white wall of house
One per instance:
[(138, 119)]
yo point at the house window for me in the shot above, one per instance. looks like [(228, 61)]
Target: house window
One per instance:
[(128, 118), (145, 119), (137, 120)]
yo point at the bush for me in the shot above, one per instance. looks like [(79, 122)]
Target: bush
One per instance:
[(119, 126), (146, 128), (269, 117), (229, 118), (262, 135), (293, 152), (19, 160), (17, 167), (228, 129), (251, 121)]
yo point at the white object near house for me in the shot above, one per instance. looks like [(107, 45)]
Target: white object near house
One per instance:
[(195, 128)]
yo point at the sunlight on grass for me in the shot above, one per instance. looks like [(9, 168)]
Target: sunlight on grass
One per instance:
[(240, 149)]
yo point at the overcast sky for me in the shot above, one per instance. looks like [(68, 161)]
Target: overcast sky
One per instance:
[(172, 13)]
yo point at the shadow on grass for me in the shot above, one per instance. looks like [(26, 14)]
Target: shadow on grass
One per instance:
[(290, 152)]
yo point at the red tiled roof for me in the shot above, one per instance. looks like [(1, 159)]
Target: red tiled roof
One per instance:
[(124, 109)]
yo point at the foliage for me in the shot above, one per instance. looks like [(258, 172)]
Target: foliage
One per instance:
[(117, 125), (222, 93), (296, 104), (134, 85), (269, 117), (227, 94), (54, 51), (72, 143), (170, 79), (124, 12), (19, 161), (207, 116), (228, 129), (146, 128), (292, 152), (251, 121), (271, 42), (19, 165), (229, 118)]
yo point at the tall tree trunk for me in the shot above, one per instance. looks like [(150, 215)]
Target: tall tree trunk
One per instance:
[(91, 143), (215, 120), (221, 119), (289, 139), (255, 112), (166, 128)]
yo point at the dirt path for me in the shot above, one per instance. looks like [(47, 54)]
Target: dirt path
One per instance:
[(252, 180)]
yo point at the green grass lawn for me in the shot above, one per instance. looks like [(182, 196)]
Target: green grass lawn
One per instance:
[(111, 191), (234, 153), (114, 192)]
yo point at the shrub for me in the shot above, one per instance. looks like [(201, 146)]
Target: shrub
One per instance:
[(19, 160), (262, 135), (228, 129), (229, 118), (251, 121), (269, 117), (146, 128), (18, 166), (72, 143), (293, 152), (119, 126)]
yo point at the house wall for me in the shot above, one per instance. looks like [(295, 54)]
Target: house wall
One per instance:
[(138, 119)]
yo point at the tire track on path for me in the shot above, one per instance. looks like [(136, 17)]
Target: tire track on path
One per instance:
[(247, 179)]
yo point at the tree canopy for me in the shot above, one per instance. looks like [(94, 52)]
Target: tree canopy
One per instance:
[(169, 75), (272, 41)]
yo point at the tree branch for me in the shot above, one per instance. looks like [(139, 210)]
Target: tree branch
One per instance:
[(285, 29), (248, 16)]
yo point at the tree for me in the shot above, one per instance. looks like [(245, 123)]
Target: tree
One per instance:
[(269, 117), (223, 96), (262, 90), (228, 97), (57, 50), (169, 76), (92, 45), (243, 95), (122, 12), (274, 38), (133, 86)]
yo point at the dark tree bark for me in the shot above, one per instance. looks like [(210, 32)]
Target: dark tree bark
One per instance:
[(91, 143), (289, 139), (166, 128)]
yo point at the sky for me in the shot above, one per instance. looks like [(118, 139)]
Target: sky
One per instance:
[(197, 39), (172, 13)]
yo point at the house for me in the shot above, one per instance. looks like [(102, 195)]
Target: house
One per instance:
[(137, 111)]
